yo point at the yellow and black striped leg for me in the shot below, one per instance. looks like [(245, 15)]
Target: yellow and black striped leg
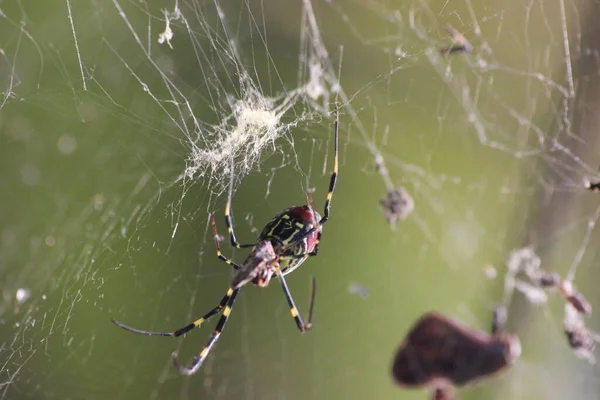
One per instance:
[(332, 183), (302, 327), (218, 246), (333, 179), (197, 363), (229, 224), (186, 328)]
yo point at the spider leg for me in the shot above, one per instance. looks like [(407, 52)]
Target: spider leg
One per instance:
[(219, 254), (332, 183), (333, 180), (197, 363), (186, 328), (302, 327), (229, 224)]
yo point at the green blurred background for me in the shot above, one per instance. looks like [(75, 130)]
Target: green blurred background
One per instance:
[(97, 222)]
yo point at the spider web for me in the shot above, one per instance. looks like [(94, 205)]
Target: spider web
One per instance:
[(123, 122)]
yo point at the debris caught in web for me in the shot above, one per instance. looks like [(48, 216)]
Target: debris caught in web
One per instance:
[(399, 204), (439, 353), (593, 186), (167, 34), (576, 299), (581, 340), (461, 45), (538, 281)]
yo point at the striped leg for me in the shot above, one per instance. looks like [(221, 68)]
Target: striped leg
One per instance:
[(186, 328), (197, 363), (333, 180), (332, 183), (229, 224), (302, 327), (218, 246)]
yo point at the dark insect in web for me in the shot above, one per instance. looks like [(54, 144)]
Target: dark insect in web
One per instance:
[(284, 244)]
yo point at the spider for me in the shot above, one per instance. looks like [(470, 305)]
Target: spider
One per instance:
[(284, 244)]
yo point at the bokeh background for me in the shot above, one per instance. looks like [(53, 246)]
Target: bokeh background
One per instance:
[(114, 149)]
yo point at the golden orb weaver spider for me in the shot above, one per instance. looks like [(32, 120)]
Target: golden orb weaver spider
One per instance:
[(284, 244)]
